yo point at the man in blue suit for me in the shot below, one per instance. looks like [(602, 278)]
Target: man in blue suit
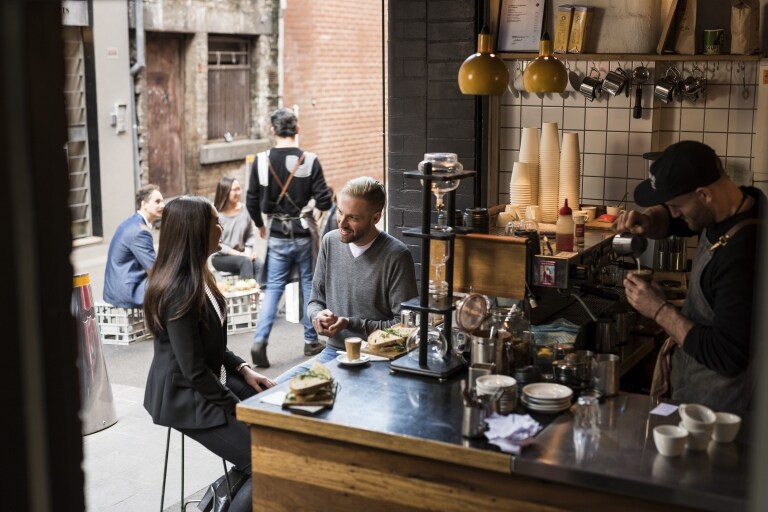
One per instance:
[(132, 252)]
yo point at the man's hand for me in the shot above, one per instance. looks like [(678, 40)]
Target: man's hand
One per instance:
[(643, 296), (632, 221), (326, 323), (263, 232)]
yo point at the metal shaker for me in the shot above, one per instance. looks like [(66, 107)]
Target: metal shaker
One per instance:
[(629, 244)]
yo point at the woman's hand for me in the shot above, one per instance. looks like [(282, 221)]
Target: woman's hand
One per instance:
[(256, 380)]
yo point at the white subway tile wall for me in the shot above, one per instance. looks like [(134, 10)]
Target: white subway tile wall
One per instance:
[(612, 142)]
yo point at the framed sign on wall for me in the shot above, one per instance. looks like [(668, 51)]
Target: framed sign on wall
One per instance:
[(520, 23)]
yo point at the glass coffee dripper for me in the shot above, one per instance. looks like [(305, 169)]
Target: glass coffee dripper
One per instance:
[(443, 164)]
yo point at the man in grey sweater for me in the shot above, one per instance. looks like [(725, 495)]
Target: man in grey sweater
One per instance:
[(362, 274)]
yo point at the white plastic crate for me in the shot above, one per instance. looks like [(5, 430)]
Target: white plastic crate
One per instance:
[(120, 326), (242, 310)]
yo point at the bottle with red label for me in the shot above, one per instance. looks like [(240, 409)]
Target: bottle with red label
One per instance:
[(564, 229)]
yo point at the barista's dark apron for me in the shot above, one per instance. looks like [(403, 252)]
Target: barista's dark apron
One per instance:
[(689, 380)]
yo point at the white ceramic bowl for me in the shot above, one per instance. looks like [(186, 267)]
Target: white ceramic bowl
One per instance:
[(726, 427), (670, 440), (696, 417), (698, 440), (495, 381)]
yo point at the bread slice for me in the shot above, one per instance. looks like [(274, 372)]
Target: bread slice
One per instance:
[(312, 381), (391, 339)]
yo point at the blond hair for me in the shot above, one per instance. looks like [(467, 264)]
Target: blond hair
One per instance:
[(368, 189)]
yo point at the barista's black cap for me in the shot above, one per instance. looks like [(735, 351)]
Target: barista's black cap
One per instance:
[(681, 168)]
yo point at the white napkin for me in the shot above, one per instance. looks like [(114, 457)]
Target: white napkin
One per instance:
[(511, 432)]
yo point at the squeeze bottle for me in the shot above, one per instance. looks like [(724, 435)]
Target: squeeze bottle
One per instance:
[(564, 229)]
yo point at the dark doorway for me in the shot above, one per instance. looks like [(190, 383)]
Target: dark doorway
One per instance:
[(165, 112)]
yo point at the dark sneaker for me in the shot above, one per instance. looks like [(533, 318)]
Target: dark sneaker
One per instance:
[(312, 349), (259, 354)]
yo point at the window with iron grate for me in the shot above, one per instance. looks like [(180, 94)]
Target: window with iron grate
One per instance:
[(229, 86)]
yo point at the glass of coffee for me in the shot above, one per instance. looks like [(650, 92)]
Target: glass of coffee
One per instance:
[(645, 274)]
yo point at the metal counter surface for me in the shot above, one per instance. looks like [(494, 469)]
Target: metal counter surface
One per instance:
[(421, 416), (418, 409), (623, 458)]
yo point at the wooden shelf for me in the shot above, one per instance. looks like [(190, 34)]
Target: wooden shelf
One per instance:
[(634, 56)]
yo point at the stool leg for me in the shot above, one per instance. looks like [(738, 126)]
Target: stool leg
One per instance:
[(183, 507), (165, 469), (226, 477)]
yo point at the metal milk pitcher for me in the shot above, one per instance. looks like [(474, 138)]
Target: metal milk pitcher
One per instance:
[(606, 338), (629, 244)]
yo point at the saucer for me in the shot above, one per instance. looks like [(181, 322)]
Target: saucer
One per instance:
[(342, 359)]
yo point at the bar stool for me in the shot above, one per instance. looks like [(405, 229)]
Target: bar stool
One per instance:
[(165, 474)]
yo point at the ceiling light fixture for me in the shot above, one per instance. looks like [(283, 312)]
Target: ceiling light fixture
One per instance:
[(545, 73), (483, 73)]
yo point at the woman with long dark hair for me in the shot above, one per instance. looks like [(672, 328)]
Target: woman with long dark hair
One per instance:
[(194, 381), (235, 254)]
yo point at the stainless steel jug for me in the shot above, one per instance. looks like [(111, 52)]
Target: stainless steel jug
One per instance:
[(671, 254), (629, 244), (606, 338)]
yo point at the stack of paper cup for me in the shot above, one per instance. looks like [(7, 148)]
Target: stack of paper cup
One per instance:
[(520, 185), (570, 169), (549, 172), (529, 154)]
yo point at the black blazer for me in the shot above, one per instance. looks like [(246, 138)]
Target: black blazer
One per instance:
[(183, 387)]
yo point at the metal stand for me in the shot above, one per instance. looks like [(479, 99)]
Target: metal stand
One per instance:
[(449, 364)]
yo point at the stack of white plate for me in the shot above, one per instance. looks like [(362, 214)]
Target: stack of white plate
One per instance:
[(520, 185), (503, 386), (549, 172), (529, 154), (547, 397), (570, 170)]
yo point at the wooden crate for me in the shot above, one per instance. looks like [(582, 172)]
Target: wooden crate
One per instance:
[(120, 326), (242, 310)]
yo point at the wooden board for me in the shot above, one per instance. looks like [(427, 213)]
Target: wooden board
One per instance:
[(325, 398), (596, 224), (666, 27), (388, 355)]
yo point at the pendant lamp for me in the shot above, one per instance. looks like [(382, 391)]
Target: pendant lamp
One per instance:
[(546, 73), (483, 73)]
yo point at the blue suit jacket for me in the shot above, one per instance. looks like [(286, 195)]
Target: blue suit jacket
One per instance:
[(131, 254)]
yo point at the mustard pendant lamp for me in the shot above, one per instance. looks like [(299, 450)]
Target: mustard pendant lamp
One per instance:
[(483, 73), (545, 73)]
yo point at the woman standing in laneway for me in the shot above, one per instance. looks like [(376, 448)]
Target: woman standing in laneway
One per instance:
[(194, 381)]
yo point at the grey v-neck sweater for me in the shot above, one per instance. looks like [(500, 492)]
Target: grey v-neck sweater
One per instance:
[(367, 289)]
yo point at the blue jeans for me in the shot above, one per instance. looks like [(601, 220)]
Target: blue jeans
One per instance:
[(282, 254), (326, 356)]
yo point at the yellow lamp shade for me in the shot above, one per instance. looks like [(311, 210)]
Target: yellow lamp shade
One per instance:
[(546, 73), (483, 73)]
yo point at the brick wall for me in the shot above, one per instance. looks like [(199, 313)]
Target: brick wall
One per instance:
[(333, 73), (427, 112)]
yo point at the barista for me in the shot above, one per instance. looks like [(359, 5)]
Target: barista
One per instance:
[(708, 356)]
